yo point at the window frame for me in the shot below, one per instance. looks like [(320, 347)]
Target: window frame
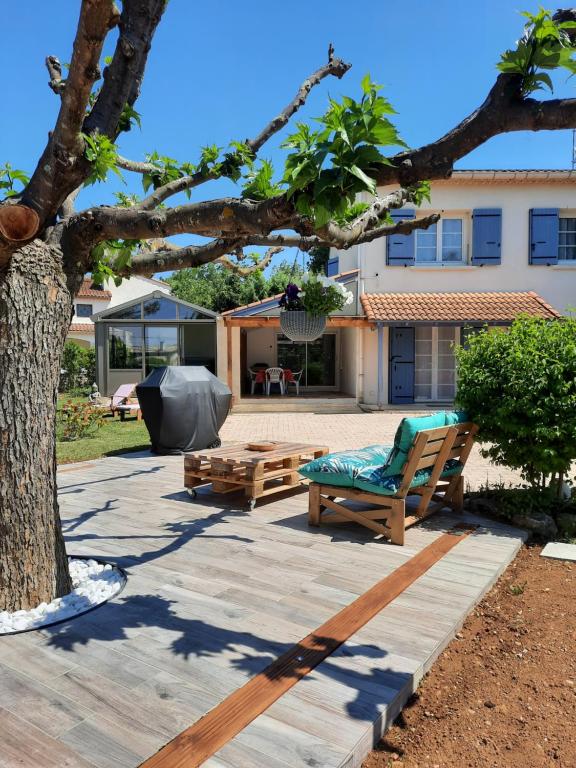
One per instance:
[(84, 306), (465, 218), (564, 216)]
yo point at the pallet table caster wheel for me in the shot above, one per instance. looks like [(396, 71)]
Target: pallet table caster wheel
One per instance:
[(251, 504), (192, 492)]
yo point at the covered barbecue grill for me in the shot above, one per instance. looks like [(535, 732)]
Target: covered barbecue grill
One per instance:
[(183, 407)]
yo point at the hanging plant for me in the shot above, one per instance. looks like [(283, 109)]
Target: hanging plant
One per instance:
[(306, 308)]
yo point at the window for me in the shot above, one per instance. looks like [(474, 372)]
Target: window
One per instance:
[(159, 309), (84, 310), (567, 240), (435, 364), (440, 243), (125, 345), (161, 346)]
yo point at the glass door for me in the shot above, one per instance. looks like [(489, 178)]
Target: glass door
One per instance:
[(317, 360), (161, 346), (435, 363)]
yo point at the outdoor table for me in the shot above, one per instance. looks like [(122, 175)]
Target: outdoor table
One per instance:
[(256, 473)]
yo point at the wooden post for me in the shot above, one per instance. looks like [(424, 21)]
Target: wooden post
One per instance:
[(313, 504), (229, 370)]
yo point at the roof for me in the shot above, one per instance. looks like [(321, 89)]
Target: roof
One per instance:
[(110, 312), (81, 328), (488, 307), (88, 290), (511, 175), (255, 307)]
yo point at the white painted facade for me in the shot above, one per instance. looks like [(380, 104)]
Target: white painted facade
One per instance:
[(458, 197)]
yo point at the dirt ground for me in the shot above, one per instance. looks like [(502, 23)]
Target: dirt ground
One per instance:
[(503, 694)]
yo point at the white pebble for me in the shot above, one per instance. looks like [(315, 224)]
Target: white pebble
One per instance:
[(93, 584)]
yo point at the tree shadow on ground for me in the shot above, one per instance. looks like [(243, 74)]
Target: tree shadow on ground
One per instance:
[(158, 618)]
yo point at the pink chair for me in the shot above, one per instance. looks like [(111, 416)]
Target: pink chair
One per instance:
[(122, 394)]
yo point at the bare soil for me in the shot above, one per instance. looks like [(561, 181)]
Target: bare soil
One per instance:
[(503, 694)]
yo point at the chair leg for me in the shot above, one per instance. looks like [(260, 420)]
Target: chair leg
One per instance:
[(458, 497), (396, 523), (314, 504)]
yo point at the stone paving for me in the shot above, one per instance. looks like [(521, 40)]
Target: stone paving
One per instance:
[(348, 430)]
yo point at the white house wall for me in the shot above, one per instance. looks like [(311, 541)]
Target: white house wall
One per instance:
[(556, 284), (261, 346), (348, 360)]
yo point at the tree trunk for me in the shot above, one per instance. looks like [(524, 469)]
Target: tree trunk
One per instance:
[(35, 312)]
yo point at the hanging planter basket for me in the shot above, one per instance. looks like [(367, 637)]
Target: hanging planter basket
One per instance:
[(298, 325)]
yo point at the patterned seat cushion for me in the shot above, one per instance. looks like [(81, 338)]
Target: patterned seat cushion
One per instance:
[(375, 479), (341, 468)]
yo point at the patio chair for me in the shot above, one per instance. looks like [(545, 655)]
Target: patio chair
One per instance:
[(427, 462), (274, 376), (253, 376), (293, 378), (121, 397)]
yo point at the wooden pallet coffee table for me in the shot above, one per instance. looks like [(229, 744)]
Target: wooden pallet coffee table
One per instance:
[(256, 473)]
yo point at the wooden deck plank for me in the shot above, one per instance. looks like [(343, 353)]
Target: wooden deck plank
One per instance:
[(215, 593)]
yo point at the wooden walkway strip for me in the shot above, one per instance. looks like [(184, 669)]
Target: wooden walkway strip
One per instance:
[(219, 726)]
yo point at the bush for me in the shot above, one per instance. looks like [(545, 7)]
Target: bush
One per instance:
[(77, 420), (519, 386), (78, 367)]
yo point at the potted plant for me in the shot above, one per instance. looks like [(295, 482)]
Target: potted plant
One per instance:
[(305, 308)]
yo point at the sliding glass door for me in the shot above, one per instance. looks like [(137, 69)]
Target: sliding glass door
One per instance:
[(317, 360)]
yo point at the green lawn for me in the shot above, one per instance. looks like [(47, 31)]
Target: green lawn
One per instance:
[(113, 437)]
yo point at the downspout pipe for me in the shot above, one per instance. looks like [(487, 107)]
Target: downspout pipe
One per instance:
[(380, 396)]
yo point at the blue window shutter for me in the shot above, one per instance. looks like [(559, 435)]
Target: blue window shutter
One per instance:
[(400, 249), (486, 236), (544, 236), (332, 267)]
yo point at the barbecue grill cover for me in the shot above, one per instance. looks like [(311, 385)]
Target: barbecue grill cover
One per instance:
[(183, 407)]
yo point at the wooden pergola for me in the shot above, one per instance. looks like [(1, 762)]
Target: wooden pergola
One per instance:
[(255, 321)]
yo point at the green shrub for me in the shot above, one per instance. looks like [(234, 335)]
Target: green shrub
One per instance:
[(77, 420), (519, 386), (78, 368)]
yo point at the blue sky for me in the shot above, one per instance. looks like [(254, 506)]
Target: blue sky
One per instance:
[(220, 70)]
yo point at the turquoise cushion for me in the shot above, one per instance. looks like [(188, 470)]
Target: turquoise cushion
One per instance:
[(342, 467), (456, 417), (375, 479), (407, 430)]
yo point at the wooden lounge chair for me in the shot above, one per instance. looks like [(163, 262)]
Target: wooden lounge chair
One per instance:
[(432, 470), (121, 397)]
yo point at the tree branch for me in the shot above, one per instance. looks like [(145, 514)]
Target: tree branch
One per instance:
[(135, 166), (229, 218), (341, 238), (503, 111), (190, 256), (258, 266), (334, 67), (62, 166), (55, 71), (123, 77)]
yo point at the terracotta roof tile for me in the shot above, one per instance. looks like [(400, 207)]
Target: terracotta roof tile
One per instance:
[(90, 291), (82, 327), (488, 307)]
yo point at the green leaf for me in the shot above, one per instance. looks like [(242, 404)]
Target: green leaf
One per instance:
[(369, 183)]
